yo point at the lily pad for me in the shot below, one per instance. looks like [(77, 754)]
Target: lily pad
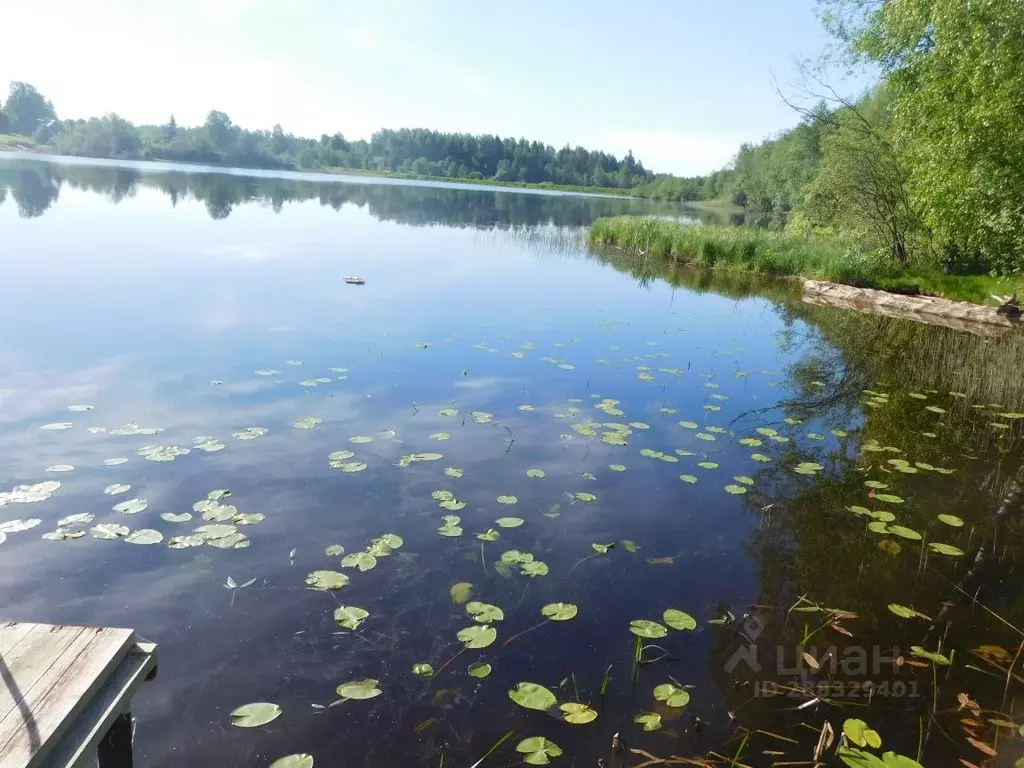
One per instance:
[(617, 467), (440, 436), (679, 619), (479, 670), (422, 670), (326, 580), (109, 531), (938, 658), (254, 715), (359, 689), (904, 532), (534, 568), (902, 611), (308, 423), (298, 760), (577, 714), (479, 636), (113, 490), (735, 489), (17, 526), (651, 721), (535, 473), (538, 750), (559, 611), (945, 549), (507, 499), (489, 535), (648, 629), (584, 497), (688, 478), (509, 522), (361, 439), (352, 466), (131, 507), (533, 696), (349, 616), (888, 498), (858, 732), (145, 536), (484, 613), (707, 465), (602, 549), (453, 472), (672, 695), (364, 561), (952, 520)]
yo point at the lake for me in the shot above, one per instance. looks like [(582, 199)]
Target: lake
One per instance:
[(628, 438)]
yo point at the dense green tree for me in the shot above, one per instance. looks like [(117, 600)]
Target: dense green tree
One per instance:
[(5, 122), (955, 71), (27, 109)]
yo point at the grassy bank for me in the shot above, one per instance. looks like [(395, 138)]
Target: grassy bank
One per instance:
[(756, 250), (10, 141)]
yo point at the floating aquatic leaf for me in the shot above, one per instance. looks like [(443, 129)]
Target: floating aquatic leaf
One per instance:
[(878, 526), (577, 714), (349, 616), (532, 696), (875, 484), (630, 546), (489, 535), (450, 530), (249, 433), (688, 424), (888, 498), (57, 426), (602, 548), (688, 478), (479, 636), (442, 495), (952, 520), (646, 628), (361, 439), (113, 490), (254, 715), (679, 619), (308, 423), (903, 531), (17, 526), (514, 556), (171, 517), (889, 546), (326, 580), (651, 721), (559, 611), (902, 611), (352, 466), (298, 760), (750, 442), (534, 568), (82, 518), (334, 550), (364, 561), (507, 499), (535, 473), (509, 522), (617, 467), (109, 531), (114, 462), (585, 497), (527, 408), (426, 456), (613, 438), (461, 592), (453, 472), (672, 695), (359, 689), (707, 465), (131, 507), (60, 468), (482, 417), (934, 409), (945, 549), (440, 436), (735, 489), (885, 517), (479, 670), (538, 750), (452, 505), (484, 613), (422, 670), (145, 536), (857, 731)]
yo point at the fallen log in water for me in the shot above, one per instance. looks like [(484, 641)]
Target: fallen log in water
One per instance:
[(958, 315)]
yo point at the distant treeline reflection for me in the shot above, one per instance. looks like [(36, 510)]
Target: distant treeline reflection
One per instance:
[(35, 186)]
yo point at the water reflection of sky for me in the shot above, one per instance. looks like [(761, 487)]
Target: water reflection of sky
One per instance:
[(136, 307)]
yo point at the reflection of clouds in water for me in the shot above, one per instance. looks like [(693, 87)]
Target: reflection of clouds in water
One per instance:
[(25, 395)]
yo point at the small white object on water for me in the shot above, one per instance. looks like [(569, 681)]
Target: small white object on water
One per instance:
[(355, 281)]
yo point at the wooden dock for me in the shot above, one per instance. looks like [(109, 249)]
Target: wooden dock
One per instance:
[(66, 694)]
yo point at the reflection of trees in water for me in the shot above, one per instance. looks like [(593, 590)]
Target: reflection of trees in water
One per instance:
[(419, 205), (34, 191)]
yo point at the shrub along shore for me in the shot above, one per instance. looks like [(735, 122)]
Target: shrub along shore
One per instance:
[(838, 259)]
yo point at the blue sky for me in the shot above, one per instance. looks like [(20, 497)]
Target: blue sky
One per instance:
[(680, 82)]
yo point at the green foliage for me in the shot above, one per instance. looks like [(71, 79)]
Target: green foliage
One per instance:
[(26, 109), (958, 93)]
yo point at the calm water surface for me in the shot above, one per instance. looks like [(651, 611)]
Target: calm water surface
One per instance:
[(154, 296)]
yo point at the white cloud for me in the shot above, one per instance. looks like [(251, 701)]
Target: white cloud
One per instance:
[(673, 152)]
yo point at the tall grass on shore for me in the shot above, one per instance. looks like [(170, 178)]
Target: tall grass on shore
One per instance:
[(837, 259)]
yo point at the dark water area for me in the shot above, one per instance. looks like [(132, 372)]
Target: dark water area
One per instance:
[(488, 333)]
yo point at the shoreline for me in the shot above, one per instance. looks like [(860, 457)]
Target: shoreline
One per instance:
[(832, 259)]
